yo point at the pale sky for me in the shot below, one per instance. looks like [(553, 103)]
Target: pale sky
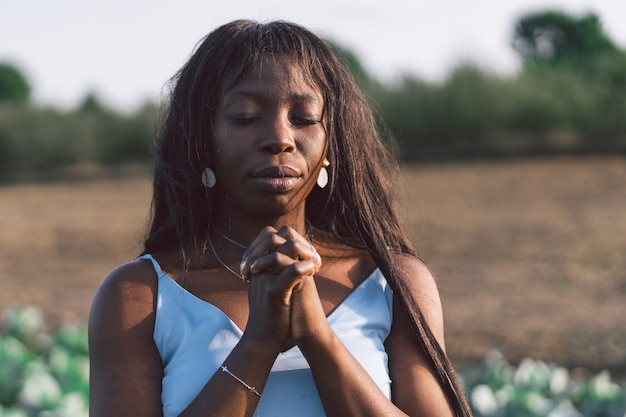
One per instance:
[(125, 50)]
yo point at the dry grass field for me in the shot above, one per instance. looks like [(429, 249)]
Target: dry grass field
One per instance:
[(530, 255)]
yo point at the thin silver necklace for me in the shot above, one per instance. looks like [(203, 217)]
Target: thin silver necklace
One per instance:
[(228, 268), (233, 241), (308, 235)]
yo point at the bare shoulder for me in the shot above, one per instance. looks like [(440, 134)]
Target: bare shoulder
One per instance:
[(422, 287), (418, 271), (416, 389), (420, 280), (127, 294), (125, 366)]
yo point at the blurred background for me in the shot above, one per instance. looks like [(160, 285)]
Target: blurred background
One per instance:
[(510, 122)]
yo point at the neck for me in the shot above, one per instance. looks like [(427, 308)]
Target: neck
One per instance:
[(241, 230)]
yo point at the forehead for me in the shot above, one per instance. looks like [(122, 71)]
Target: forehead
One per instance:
[(279, 76)]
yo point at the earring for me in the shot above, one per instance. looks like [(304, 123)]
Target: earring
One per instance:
[(208, 178), (322, 177)]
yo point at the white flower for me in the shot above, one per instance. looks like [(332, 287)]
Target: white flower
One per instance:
[(602, 387), (559, 381), (483, 400), (40, 390), (565, 409)]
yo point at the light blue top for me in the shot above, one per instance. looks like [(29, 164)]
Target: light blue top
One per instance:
[(195, 337)]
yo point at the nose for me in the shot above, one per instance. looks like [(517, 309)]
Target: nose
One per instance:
[(279, 136)]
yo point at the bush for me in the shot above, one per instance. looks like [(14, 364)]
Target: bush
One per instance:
[(43, 374), (46, 373), (536, 388), (35, 142), (119, 139), (475, 113), (472, 113), (14, 87)]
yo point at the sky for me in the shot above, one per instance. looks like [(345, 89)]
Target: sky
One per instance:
[(124, 51)]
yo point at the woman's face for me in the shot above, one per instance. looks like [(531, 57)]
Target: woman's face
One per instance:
[(270, 139)]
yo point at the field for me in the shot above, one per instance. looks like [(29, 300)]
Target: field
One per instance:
[(530, 254)]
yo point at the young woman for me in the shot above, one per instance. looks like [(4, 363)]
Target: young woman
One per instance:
[(275, 279)]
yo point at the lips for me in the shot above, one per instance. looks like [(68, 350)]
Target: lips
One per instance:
[(277, 179)]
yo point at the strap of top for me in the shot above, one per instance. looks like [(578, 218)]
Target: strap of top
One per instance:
[(155, 264)]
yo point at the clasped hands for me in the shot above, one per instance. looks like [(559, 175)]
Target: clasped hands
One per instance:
[(283, 298)]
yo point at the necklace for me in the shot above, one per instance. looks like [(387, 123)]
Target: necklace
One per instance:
[(228, 268), (308, 236), (233, 241)]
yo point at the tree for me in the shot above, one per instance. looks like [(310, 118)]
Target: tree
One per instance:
[(91, 103), (561, 40), (14, 87)]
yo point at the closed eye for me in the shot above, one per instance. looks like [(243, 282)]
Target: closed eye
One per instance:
[(299, 120), (243, 119)]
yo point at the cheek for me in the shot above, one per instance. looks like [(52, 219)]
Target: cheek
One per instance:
[(316, 147), (222, 147), (226, 161)]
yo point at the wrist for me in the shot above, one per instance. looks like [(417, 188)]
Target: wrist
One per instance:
[(322, 336), (259, 346)]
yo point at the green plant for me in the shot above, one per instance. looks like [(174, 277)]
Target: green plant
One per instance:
[(42, 374), (14, 87), (45, 373), (535, 388)]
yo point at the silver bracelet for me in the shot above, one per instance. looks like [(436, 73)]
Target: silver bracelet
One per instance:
[(241, 381)]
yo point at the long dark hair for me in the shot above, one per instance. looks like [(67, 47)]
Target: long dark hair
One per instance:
[(356, 207)]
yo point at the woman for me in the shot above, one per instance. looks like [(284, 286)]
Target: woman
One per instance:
[(275, 278)]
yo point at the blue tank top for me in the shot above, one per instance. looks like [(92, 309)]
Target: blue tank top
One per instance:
[(194, 338)]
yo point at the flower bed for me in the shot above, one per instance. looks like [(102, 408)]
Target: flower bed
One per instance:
[(537, 388), (46, 373)]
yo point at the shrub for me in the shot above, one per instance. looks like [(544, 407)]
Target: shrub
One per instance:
[(35, 142), (537, 388), (45, 373)]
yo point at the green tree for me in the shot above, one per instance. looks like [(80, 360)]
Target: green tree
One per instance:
[(14, 87), (91, 103), (562, 40)]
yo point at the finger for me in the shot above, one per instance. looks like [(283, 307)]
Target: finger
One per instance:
[(301, 269), (289, 233), (266, 231), (267, 241), (297, 246), (300, 250), (274, 262), (286, 240), (286, 273)]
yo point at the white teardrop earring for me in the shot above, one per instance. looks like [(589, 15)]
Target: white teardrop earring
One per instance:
[(322, 177), (208, 178)]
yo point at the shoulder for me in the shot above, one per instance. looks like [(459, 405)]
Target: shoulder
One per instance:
[(418, 278), (125, 366), (416, 387), (418, 287), (416, 269), (126, 295)]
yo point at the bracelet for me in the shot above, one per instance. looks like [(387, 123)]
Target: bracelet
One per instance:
[(241, 381)]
